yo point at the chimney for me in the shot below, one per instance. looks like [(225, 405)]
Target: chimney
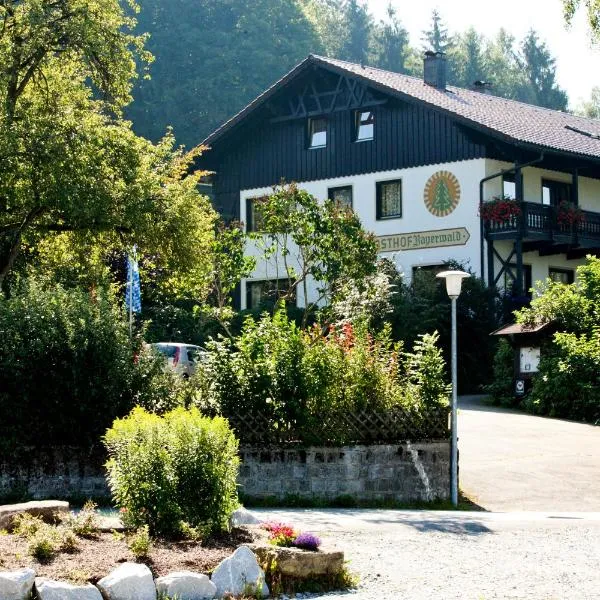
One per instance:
[(483, 87), (435, 69)]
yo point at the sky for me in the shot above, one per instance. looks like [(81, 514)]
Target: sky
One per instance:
[(577, 62)]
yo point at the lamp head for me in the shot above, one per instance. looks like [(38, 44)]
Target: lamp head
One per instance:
[(453, 281)]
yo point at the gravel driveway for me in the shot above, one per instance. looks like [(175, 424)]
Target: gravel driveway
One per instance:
[(413, 555)]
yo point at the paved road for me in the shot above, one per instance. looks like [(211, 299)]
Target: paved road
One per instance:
[(511, 461), (413, 555)]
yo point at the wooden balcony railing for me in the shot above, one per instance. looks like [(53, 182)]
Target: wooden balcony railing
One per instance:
[(540, 222)]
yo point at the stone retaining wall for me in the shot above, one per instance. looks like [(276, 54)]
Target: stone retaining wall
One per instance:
[(404, 472), (53, 473)]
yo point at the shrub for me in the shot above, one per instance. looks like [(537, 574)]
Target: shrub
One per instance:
[(68, 365), (85, 523), (140, 543), (501, 389), (303, 382), (568, 382), (178, 467), (26, 525)]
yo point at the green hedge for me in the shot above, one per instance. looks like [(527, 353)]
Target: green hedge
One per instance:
[(68, 368)]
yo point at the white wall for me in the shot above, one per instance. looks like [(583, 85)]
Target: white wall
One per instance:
[(415, 217)]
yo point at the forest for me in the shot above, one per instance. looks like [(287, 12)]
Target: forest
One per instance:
[(211, 57)]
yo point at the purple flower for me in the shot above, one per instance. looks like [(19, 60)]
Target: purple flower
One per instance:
[(307, 541)]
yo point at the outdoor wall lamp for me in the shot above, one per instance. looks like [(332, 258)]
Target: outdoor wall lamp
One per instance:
[(453, 287)]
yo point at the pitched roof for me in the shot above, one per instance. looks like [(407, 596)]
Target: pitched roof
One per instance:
[(514, 121)]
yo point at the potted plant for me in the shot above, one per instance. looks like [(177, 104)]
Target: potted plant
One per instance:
[(500, 210)]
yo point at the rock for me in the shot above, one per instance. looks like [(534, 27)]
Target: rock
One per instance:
[(185, 585), (241, 516), (239, 573), (16, 585), (46, 509), (108, 524), (47, 589), (129, 581), (301, 564)]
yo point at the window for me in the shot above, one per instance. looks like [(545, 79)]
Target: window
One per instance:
[(526, 284), (365, 125), (341, 195), (389, 199), (555, 192), (266, 293), (561, 275), (317, 133), (254, 218), (509, 187)]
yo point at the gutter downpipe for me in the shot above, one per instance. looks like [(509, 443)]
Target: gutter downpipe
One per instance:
[(484, 180)]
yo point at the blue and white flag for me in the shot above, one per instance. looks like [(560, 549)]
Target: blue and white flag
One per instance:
[(133, 295)]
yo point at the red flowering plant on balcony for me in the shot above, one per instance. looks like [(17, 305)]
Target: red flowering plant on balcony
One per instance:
[(500, 210), (569, 214)]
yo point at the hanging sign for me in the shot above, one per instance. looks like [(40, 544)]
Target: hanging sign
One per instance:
[(442, 193), (423, 239)]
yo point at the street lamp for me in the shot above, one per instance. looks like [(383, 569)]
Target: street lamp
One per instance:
[(453, 285)]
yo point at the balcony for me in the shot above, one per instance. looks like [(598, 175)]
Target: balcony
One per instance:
[(543, 225)]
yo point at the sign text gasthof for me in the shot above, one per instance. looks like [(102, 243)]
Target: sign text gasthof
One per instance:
[(422, 239)]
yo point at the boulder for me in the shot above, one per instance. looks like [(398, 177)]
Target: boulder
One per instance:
[(46, 509), (301, 564), (108, 524), (47, 589), (185, 585), (16, 585), (129, 581), (241, 516), (240, 573)]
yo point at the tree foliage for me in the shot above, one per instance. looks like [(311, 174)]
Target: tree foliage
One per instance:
[(592, 9), (307, 240), (70, 166), (215, 56)]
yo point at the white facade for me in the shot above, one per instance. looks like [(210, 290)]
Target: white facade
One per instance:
[(417, 219)]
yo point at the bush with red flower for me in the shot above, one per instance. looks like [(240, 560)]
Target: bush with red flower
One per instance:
[(569, 214), (500, 210)]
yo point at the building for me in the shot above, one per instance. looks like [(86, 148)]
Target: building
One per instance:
[(415, 158)]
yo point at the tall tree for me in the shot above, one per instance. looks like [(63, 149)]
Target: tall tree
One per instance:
[(468, 59), (436, 38), (69, 164), (539, 67), (391, 43), (359, 25), (502, 68), (212, 58), (327, 20)]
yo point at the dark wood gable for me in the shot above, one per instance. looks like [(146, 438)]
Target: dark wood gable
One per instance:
[(271, 143)]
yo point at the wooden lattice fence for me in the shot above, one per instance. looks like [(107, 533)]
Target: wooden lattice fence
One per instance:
[(345, 428)]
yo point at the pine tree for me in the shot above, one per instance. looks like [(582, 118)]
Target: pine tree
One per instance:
[(437, 38), (539, 67), (467, 59), (359, 25), (391, 41)]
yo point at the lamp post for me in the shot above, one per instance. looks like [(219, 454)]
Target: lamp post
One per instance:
[(453, 286)]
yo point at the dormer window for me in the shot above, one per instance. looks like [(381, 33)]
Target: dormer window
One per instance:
[(317, 133), (365, 125)]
